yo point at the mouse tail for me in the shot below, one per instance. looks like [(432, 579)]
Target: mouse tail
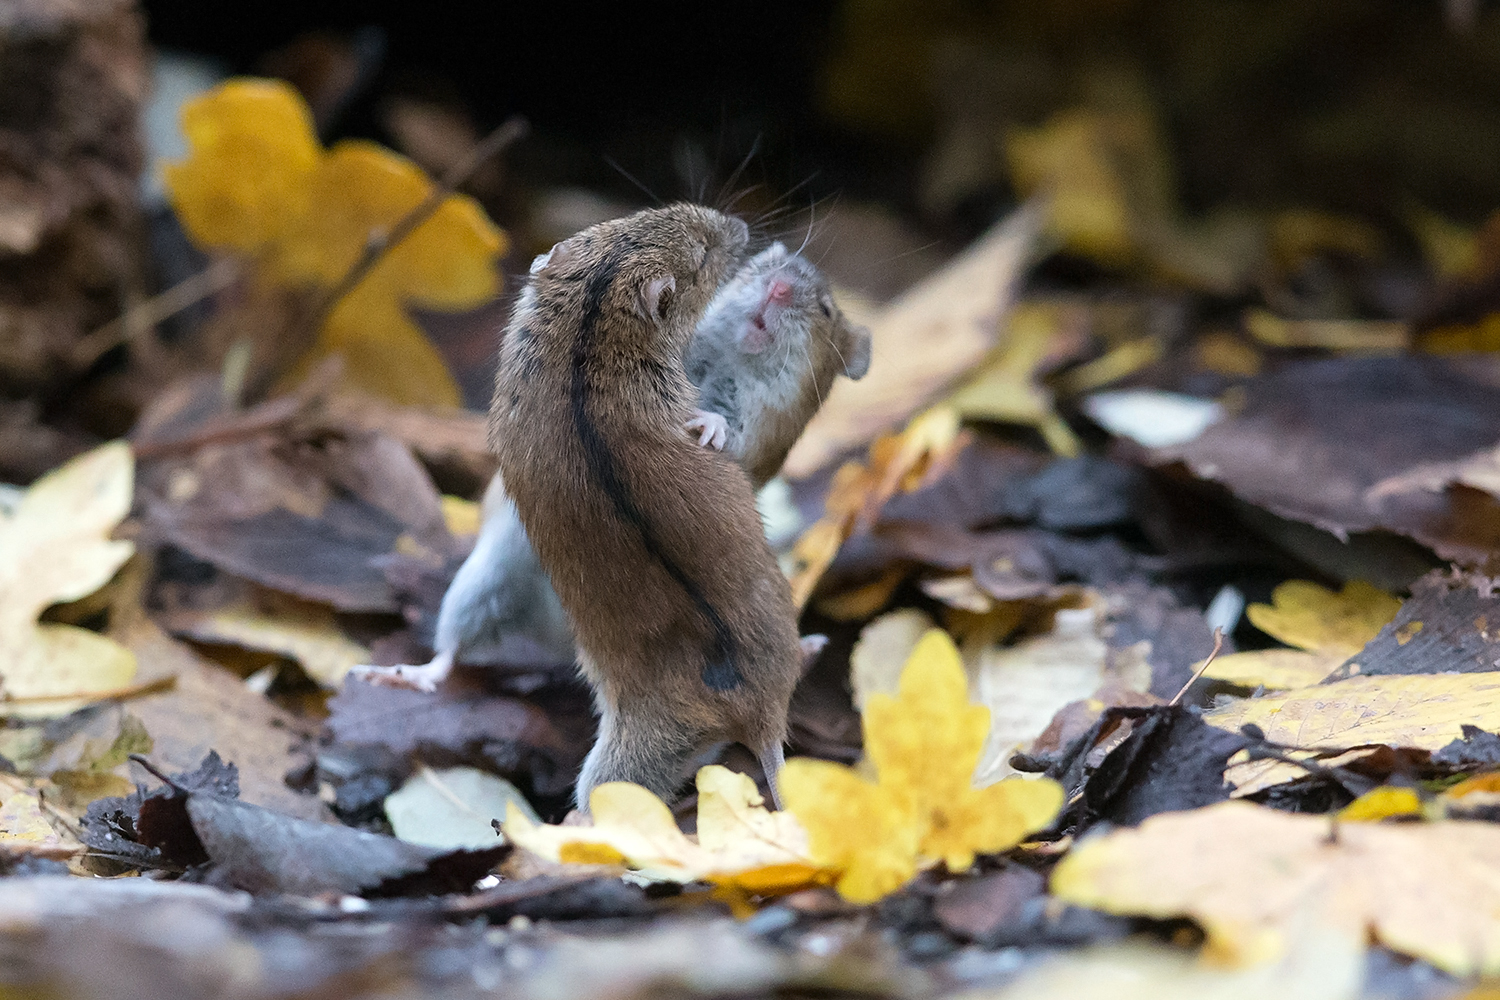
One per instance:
[(771, 760)]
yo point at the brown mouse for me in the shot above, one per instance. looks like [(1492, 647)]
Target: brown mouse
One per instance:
[(685, 625), (763, 357)]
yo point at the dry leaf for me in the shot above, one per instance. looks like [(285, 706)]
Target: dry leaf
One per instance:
[(25, 829), (257, 183), (1419, 711), (737, 834), (1006, 388), (1250, 875), (921, 342), (922, 746), (55, 547), (1327, 628), (897, 462), (310, 638)]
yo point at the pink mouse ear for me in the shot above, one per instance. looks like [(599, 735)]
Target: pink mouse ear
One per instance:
[(656, 296)]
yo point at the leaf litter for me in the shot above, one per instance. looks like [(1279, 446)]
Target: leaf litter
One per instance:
[(1016, 560)]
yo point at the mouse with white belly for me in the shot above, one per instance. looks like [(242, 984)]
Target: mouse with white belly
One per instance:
[(764, 356)]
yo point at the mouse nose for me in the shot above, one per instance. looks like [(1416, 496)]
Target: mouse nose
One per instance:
[(779, 291)]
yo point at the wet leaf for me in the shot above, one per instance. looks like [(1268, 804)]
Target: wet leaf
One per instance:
[(55, 547), (1251, 875)]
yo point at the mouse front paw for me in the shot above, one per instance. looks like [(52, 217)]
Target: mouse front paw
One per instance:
[(712, 428)]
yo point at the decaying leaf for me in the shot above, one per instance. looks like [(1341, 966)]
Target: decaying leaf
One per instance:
[(1423, 712), (25, 828), (1445, 626), (1326, 628), (1250, 876), (55, 547), (258, 183), (922, 745)]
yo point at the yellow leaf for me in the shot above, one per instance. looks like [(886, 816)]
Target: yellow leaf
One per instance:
[(1274, 669), (1007, 389), (921, 342), (738, 836), (253, 151), (923, 744), (309, 637), (1312, 617), (55, 547), (461, 516), (1380, 803), (1250, 876), (1420, 711), (24, 829), (257, 183)]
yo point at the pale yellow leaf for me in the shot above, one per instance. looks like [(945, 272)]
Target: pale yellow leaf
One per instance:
[(1252, 876)]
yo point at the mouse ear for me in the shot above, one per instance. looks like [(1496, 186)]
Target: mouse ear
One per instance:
[(558, 255), (857, 352), (656, 296)]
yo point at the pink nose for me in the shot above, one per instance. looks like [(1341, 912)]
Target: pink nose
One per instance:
[(779, 291)]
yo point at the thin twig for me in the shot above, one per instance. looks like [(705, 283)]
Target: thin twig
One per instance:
[(1218, 645), (144, 315), (382, 242)]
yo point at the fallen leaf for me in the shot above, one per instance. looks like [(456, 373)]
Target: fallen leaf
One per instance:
[(1316, 438), (922, 746), (1327, 628), (1249, 874), (739, 841), (452, 808), (1382, 803), (1309, 616), (1006, 387), (1365, 336), (257, 182), (1320, 965), (55, 547), (312, 639), (25, 829), (1451, 623), (929, 336), (1423, 712)]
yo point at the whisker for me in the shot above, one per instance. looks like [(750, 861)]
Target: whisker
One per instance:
[(632, 179)]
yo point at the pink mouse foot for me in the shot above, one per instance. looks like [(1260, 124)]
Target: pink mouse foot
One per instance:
[(712, 428), (412, 677)]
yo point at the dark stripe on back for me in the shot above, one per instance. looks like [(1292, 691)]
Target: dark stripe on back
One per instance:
[(719, 672)]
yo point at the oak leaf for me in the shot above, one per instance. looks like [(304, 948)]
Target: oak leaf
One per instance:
[(55, 547)]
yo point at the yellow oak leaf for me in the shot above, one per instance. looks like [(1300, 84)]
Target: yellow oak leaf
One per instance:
[(1252, 877), (55, 547), (739, 843), (257, 183), (1326, 627), (923, 744), (1311, 617)]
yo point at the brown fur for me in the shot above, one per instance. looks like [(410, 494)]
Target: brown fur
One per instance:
[(565, 388)]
